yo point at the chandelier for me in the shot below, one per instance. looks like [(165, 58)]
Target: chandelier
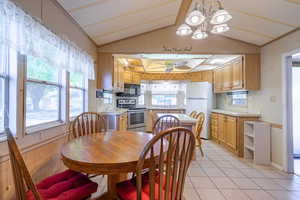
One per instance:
[(207, 16)]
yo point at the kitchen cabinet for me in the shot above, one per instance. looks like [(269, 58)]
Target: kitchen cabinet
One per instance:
[(218, 80), (132, 77), (228, 131), (222, 128), (105, 71), (214, 126), (227, 77), (243, 73), (127, 75), (123, 122), (237, 74), (230, 136)]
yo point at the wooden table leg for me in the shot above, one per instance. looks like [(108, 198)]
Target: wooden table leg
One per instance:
[(112, 181)]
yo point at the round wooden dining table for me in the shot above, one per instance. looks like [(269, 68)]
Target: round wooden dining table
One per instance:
[(109, 153)]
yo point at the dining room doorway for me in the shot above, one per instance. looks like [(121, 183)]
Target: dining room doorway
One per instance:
[(296, 111)]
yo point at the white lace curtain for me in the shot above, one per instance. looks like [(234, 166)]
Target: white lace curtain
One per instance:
[(20, 31)]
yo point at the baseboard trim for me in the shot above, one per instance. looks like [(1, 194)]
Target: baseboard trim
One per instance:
[(277, 166)]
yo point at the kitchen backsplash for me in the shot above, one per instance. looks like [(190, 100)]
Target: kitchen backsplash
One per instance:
[(223, 101)]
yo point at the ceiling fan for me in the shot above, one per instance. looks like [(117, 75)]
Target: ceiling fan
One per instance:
[(181, 65)]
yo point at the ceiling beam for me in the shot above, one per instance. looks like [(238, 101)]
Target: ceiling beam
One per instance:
[(282, 36), (184, 8)]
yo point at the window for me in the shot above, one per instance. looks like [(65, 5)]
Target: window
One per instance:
[(77, 94), (4, 80), (2, 99), (239, 98), (43, 89), (164, 100), (165, 93), (107, 97)]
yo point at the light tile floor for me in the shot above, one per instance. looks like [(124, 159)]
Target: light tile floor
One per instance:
[(220, 175)]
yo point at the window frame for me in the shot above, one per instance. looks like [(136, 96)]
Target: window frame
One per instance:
[(5, 78), (83, 90), (46, 125), (176, 104), (238, 93)]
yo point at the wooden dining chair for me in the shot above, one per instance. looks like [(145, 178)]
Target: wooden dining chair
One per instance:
[(167, 167), (198, 131), (165, 122), (67, 185), (87, 123), (193, 114)]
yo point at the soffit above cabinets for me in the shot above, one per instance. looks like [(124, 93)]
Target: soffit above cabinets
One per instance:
[(178, 63), (110, 20)]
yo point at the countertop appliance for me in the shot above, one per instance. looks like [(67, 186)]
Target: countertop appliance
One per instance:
[(136, 115), (199, 97), (130, 90)]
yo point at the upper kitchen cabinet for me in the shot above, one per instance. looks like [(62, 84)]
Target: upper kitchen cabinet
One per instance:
[(105, 71), (242, 73), (131, 77)]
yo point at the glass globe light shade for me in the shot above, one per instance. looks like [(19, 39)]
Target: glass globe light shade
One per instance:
[(199, 35), (221, 28), (220, 17), (184, 30), (195, 18)]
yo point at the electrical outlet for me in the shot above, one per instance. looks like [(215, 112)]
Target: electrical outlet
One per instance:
[(273, 99)]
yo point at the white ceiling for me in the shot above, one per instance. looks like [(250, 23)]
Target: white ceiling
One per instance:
[(261, 21), (110, 20), (254, 21)]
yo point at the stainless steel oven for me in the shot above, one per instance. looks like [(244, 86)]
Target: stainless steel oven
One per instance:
[(136, 118), (136, 115)]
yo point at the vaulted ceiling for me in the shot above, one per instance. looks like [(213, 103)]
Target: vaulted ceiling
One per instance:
[(254, 21)]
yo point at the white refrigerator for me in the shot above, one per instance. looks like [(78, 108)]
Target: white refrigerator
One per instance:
[(199, 97)]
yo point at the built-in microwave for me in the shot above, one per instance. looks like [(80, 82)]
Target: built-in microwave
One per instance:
[(130, 90)]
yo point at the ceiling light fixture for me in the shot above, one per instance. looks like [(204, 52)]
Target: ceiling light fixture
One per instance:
[(209, 16)]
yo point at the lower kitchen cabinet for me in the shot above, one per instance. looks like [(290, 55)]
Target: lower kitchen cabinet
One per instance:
[(228, 131), (123, 122)]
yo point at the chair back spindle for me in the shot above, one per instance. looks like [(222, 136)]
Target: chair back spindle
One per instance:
[(165, 122), (87, 123), (168, 167)]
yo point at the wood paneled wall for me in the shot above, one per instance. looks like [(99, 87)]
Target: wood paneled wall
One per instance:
[(41, 162)]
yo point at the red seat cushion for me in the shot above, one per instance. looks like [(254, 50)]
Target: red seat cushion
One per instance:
[(68, 185), (127, 190)]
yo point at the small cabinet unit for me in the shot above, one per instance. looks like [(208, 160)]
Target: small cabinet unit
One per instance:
[(257, 142), (228, 131), (242, 73)]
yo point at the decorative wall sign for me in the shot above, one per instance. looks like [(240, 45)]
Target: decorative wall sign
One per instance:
[(177, 49)]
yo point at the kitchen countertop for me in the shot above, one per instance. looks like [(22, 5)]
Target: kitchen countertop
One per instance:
[(184, 118), (114, 112), (165, 108), (235, 113)]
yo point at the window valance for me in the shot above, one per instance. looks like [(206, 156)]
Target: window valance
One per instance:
[(26, 35)]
